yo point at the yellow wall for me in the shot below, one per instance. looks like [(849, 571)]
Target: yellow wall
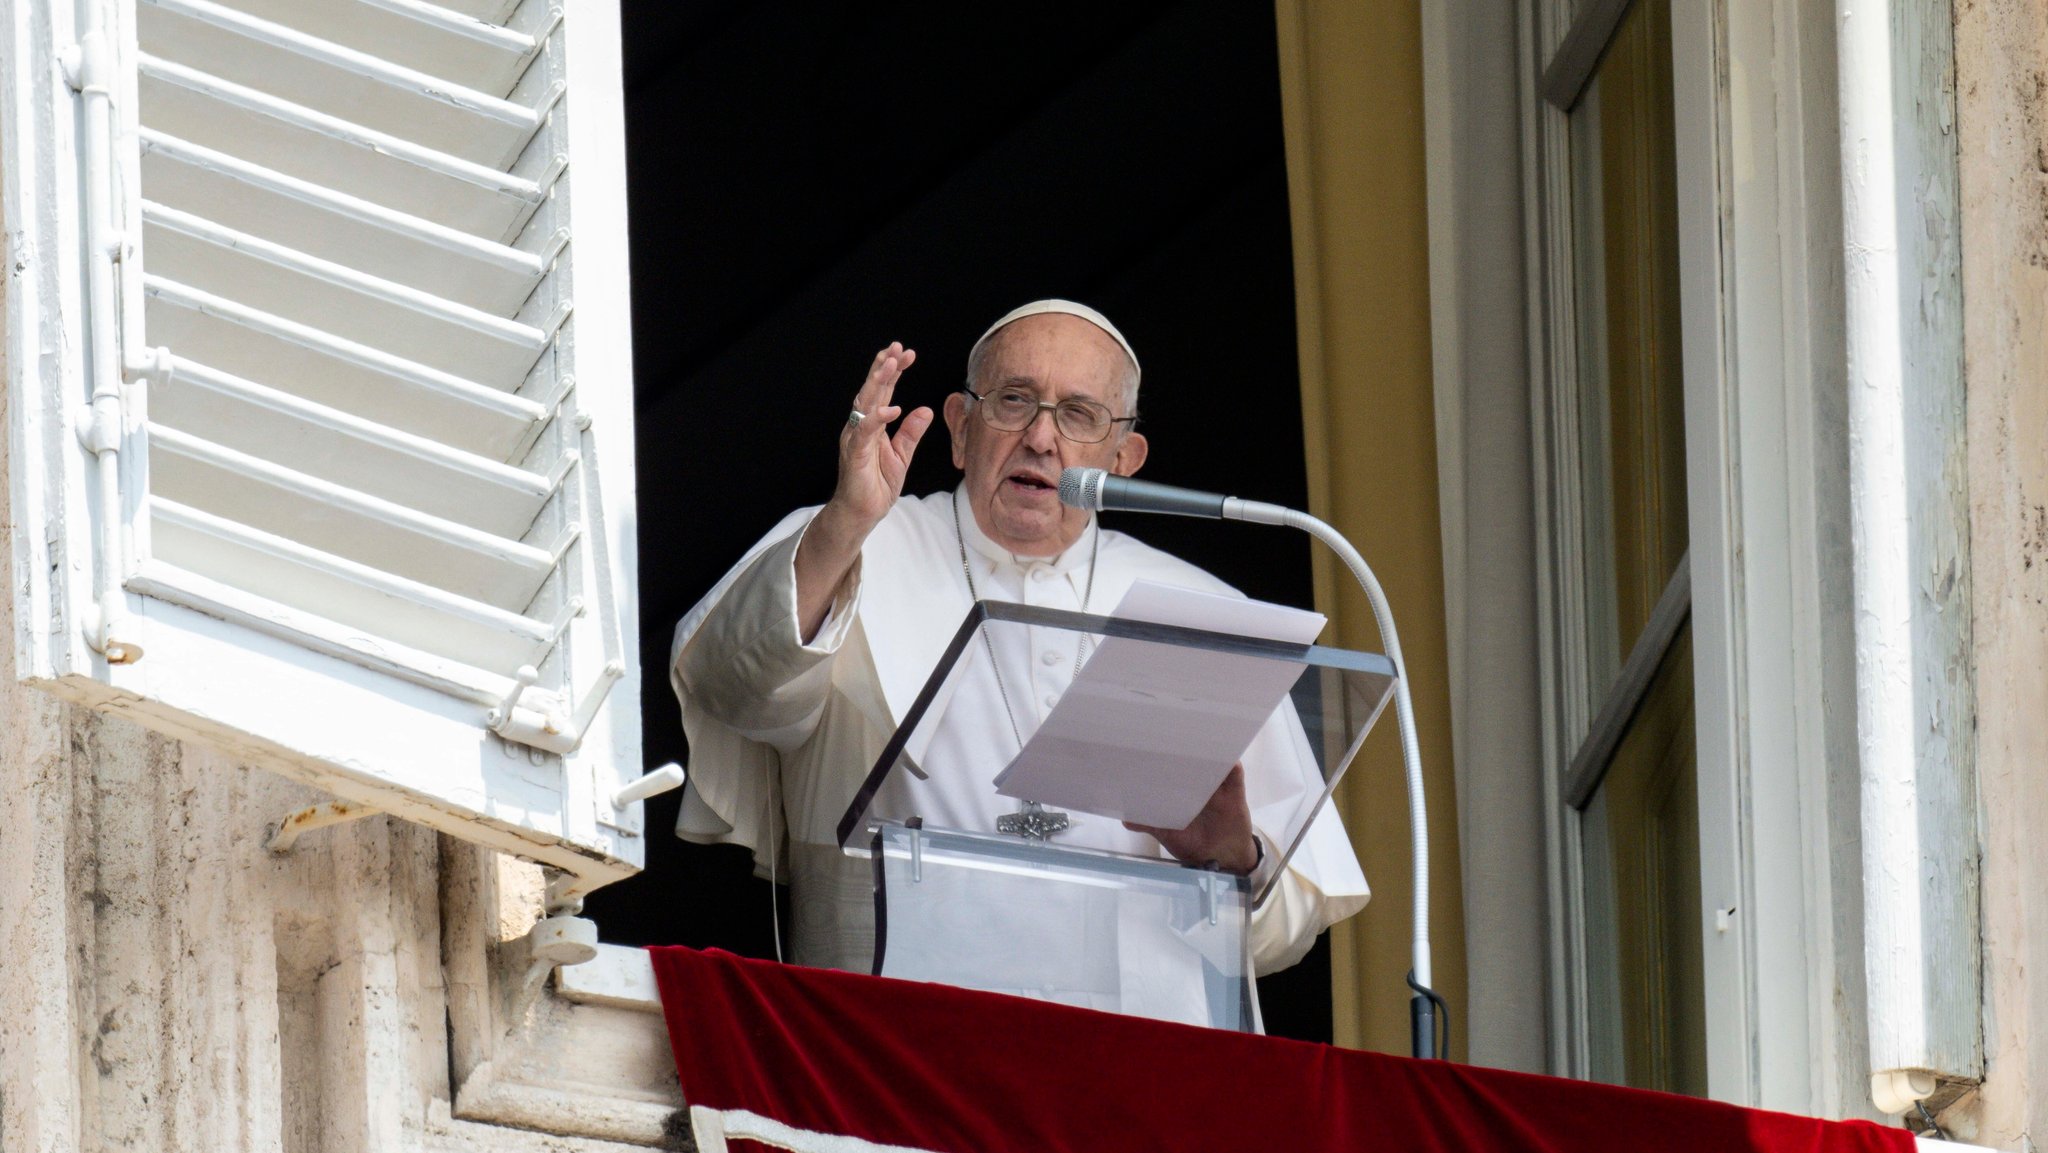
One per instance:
[(1351, 92)]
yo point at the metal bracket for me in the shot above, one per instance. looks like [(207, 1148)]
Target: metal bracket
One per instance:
[(614, 810), (285, 833), (546, 728), (85, 64), (563, 937), (916, 826), (99, 424), (661, 780)]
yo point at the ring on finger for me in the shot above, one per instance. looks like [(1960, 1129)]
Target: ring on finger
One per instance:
[(854, 418)]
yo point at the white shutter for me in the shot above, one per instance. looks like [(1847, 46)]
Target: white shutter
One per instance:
[(305, 432)]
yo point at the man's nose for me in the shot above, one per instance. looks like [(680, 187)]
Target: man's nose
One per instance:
[(1043, 433)]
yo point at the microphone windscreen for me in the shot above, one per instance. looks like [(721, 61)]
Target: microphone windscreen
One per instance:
[(1082, 487)]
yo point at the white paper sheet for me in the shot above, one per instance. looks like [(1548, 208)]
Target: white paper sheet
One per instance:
[(1148, 731)]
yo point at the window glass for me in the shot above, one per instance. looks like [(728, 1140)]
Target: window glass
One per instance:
[(1631, 399)]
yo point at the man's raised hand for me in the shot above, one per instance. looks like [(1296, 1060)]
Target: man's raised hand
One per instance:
[(872, 465), (872, 462)]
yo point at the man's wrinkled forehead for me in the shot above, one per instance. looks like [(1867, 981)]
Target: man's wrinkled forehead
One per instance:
[(1064, 308)]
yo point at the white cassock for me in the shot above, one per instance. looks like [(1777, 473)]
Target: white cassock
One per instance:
[(782, 733)]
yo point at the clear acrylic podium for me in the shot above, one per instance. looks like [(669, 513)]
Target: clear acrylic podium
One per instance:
[(1081, 923)]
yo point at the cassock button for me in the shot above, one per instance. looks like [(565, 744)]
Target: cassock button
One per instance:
[(1039, 574), (1051, 699), (1050, 659)]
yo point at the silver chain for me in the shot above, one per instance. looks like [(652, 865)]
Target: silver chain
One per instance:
[(1087, 594)]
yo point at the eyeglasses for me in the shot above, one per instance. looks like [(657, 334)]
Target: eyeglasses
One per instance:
[(1010, 409)]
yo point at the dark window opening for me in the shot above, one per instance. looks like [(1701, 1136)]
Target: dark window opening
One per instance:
[(809, 181)]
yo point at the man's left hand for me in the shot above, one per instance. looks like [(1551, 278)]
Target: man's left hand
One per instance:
[(1221, 832)]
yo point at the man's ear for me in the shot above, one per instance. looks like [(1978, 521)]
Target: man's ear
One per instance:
[(1130, 455), (956, 426)]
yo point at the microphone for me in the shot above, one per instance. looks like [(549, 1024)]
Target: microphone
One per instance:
[(1095, 490)]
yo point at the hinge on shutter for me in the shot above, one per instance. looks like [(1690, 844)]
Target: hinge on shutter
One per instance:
[(546, 727)]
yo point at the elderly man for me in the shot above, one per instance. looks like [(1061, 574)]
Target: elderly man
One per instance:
[(794, 670)]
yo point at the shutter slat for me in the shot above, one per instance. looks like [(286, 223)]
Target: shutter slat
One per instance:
[(489, 11), (246, 561), (355, 378), (348, 230), (356, 526), (332, 445), (485, 56), (375, 166), (382, 314), (340, 82)]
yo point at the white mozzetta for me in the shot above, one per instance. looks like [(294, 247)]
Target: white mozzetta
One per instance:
[(339, 483)]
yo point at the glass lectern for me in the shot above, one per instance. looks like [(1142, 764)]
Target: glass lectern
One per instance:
[(1051, 901)]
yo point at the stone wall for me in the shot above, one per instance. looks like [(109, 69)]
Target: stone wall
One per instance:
[(2002, 128)]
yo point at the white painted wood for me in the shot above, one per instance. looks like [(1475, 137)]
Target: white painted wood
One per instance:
[(1909, 514), (1748, 452), (329, 224), (343, 374), (435, 40), (1595, 754), (506, 12), (387, 315), (323, 517), (1755, 335), (377, 460), (416, 753), (260, 580), (1699, 63), (597, 347), (355, 86), (49, 526), (381, 534), (385, 609), (1571, 67), (1546, 204), (375, 166)]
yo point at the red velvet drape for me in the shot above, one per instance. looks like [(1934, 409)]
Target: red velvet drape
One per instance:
[(932, 1067)]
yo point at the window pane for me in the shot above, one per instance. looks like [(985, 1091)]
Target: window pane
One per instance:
[(1640, 852), (1631, 399), (1639, 837)]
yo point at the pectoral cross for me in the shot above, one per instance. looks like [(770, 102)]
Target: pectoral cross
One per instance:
[(1033, 822)]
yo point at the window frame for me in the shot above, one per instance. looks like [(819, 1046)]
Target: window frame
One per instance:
[(1752, 151)]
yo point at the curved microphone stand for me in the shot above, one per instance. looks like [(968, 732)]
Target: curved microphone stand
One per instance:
[(1094, 489)]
